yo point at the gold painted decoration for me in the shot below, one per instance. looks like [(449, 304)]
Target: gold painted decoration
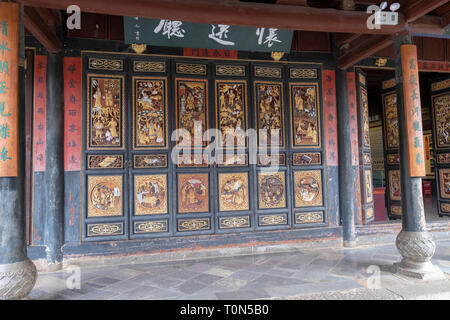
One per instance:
[(308, 217), (393, 158), (445, 207), (381, 62), (233, 191), (268, 72), (362, 79), (369, 186), (269, 160), (271, 190), (443, 158), (188, 68), (150, 194), (269, 111), (234, 160), (390, 120), (149, 66), (440, 85), (365, 118), (198, 224), (193, 192), (230, 70), (388, 84), (153, 226), (150, 161), (104, 196), (150, 113), (272, 219), (308, 188), (396, 210), (105, 161), (191, 111), (193, 160), (105, 103), (369, 213), (367, 159), (296, 73), (306, 159), (276, 55), (394, 185), (139, 48), (105, 229), (444, 183), (305, 115), (105, 64), (234, 222), (231, 118), (441, 107)]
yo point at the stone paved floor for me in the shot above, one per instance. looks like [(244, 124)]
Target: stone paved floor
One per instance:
[(268, 276)]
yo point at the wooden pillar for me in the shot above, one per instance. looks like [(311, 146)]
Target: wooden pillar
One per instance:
[(346, 181), (414, 243), (54, 163), (17, 273)]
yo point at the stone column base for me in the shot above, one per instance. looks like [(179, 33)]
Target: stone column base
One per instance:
[(417, 248), (17, 279)]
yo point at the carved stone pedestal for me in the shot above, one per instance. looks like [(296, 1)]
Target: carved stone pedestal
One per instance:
[(17, 279), (417, 248)]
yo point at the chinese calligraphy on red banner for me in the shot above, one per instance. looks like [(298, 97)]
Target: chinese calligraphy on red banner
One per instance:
[(40, 113), (9, 83)]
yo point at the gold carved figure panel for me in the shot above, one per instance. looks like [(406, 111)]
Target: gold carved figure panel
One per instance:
[(269, 109), (308, 188), (271, 190), (193, 192), (150, 112), (444, 183), (365, 118), (105, 112), (231, 118), (441, 106), (394, 185), (150, 161), (150, 194), (191, 111), (233, 191), (305, 123), (390, 120), (368, 184), (104, 196)]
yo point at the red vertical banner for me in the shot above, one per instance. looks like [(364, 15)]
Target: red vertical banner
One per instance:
[(40, 113), (413, 110), (9, 84), (330, 117), (72, 114), (353, 114)]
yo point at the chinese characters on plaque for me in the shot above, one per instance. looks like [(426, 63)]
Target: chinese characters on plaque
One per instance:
[(214, 36)]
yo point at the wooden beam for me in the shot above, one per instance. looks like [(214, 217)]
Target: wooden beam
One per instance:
[(48, 16), (231, 13), (41, 31), (442, 10), (344, 40), (303, 3), (364, 49), (421, 8)]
